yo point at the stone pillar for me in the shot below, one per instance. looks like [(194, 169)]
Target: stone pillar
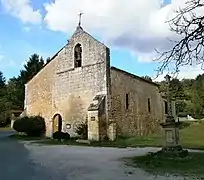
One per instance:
[(93, 125), (172, 135), (173, 105), (172, 145), (12, 122), (49, 128), (112, 131)]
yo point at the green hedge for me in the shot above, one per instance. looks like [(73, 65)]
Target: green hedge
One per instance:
[(61, 135), (82, 130), (33, 126)]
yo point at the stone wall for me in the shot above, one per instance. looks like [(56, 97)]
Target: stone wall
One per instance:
[(75, 88), (136, 119), (62, 88), (38, 94)]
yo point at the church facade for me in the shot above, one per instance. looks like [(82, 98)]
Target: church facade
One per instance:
[(79, 86)]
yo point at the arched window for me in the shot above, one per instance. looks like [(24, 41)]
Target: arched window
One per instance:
[(78, 56)]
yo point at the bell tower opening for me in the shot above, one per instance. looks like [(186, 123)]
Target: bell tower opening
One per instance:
[(78, 56)]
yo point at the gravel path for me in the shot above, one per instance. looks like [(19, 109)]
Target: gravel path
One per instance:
[(24, 161)]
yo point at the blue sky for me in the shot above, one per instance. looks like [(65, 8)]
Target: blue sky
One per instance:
[(20, 38)]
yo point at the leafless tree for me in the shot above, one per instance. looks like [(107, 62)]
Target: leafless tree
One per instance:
[(188, 25)]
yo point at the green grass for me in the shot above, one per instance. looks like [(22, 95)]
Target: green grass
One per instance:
[(5, 128), (192, 166), (191, 136)]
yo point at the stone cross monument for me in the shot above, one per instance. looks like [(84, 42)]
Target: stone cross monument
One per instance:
[(171, 127)]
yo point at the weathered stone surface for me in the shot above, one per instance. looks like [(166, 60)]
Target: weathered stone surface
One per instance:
[(61, 88), (83, 141), (136, 120)]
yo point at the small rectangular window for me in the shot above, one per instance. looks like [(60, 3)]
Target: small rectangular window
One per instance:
[(78, 55), (165, 107), (127, 101), (93, 118), (149, 105)]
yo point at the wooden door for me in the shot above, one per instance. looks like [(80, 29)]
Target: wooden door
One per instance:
[(55, 124)]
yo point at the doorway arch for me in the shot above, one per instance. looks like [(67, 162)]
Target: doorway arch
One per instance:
[(57, 123)]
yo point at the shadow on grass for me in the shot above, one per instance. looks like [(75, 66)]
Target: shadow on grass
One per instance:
[(191, 166)]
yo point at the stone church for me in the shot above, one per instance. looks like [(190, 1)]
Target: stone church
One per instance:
[(78, 86)]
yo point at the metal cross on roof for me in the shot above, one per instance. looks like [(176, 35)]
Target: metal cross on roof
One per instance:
[(80, 14)]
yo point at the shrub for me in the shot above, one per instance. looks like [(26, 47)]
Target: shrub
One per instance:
[(5, 118), (33, 126), (183, 114), (61, 135), (82, 130)]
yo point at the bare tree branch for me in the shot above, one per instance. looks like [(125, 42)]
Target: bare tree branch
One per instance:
[(189, 50)]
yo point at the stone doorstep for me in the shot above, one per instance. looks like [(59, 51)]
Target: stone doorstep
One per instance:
[(83, 141)]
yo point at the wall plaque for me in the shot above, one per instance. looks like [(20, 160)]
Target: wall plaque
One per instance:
[(169, 137), (93, 118)]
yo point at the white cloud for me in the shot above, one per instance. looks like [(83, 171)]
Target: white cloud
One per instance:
[(137, 25), (126, 24), (23, 10)]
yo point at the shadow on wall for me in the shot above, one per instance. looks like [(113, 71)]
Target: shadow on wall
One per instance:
[(143, 125), (74, 109)]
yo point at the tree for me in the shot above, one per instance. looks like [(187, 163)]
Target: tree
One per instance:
[(147, 78), (48, 60), (16, 85), (31, 68), (15, 93), (2, 84), (2, 80), (12, 94), (4, 103), (176, 89), (188, 26)]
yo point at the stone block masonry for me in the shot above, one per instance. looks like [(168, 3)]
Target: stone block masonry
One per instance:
[(68, 90), (77, 74)]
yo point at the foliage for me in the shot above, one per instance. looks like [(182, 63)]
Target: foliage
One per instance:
[(147, 78), (4, 103), (48, 60), (12, 93), (2, 84), (31, 68), (187, 26), (82, 130), (193, 165), (61, 135), (188, 94), (33, 126)]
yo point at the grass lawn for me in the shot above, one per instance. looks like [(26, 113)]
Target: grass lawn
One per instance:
[(5, 128), (191, 166), (191, 137)]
